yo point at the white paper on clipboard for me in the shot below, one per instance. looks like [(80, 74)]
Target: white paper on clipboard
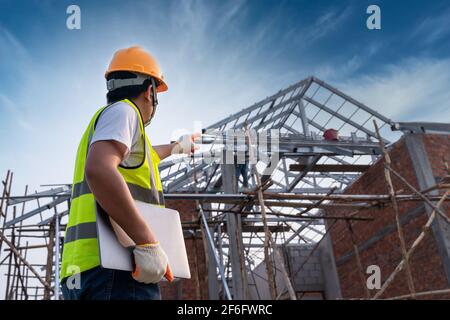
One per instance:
[(166, 225)]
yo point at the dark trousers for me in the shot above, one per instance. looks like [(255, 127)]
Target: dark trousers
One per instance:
[(107, 284), (242, 169)]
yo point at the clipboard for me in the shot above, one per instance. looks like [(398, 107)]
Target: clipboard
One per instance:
[(116, 248)]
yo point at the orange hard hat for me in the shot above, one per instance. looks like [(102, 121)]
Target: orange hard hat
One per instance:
[(136, 59)]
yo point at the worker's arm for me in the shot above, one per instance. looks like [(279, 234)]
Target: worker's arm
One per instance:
[(164, 150), (111, 191), (185, 144)]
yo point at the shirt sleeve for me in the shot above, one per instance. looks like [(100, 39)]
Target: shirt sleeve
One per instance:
[(119, 123)]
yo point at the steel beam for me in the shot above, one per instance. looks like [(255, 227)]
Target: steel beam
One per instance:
[(235, 236)]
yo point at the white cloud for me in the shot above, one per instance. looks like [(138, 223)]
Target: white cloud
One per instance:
[(337, 71), (330, 72), (323, 26), (327, 23), (231, 10), (433, 28), (9, 43), (15, 58), (412, 90), (14, 112)]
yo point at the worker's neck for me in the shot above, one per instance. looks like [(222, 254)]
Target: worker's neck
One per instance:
[(140, 102)]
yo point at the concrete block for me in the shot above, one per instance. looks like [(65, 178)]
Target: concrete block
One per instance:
[(315, 273), (304, 253), (309, 266), (311, 280)]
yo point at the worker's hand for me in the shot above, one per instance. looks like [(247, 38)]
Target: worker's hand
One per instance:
[(185, 144), (151, 263)]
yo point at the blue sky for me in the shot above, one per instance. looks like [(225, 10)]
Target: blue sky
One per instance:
[(217, 56)]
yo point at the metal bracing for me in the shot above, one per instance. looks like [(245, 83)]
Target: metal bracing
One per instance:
[(300, 113), (32, 236), (422, 127)]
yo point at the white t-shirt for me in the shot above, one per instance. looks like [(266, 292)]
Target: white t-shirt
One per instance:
[(120, 122)]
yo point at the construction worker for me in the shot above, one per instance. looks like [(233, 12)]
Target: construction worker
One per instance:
[(115, 165)]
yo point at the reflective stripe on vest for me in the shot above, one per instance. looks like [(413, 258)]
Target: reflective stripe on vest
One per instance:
[(84, 230), (80, 243), (137, 192)]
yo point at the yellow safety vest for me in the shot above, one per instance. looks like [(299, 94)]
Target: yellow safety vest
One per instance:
[(80, 244)]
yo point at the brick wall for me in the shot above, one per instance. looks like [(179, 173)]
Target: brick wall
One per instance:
[(196, 287), (378, 240)]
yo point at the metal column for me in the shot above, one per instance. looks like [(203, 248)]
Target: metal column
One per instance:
[(235, 236)]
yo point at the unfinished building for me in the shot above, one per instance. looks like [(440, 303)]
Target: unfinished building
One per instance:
[(331, 193)]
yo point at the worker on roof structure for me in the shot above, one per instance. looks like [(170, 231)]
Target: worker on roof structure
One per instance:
[(115, 165)]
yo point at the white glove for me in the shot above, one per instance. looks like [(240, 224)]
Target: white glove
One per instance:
[(185, 144), (151, 263)]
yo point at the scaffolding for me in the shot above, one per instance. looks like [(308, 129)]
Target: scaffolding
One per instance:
[(295, 175)]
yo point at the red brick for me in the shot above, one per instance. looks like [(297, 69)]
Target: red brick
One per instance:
[(426, 264)]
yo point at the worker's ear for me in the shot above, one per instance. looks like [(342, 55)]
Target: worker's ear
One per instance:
[(148, 93)]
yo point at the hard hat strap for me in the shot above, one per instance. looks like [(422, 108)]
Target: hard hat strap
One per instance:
[(155, 101), (155, 96)]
